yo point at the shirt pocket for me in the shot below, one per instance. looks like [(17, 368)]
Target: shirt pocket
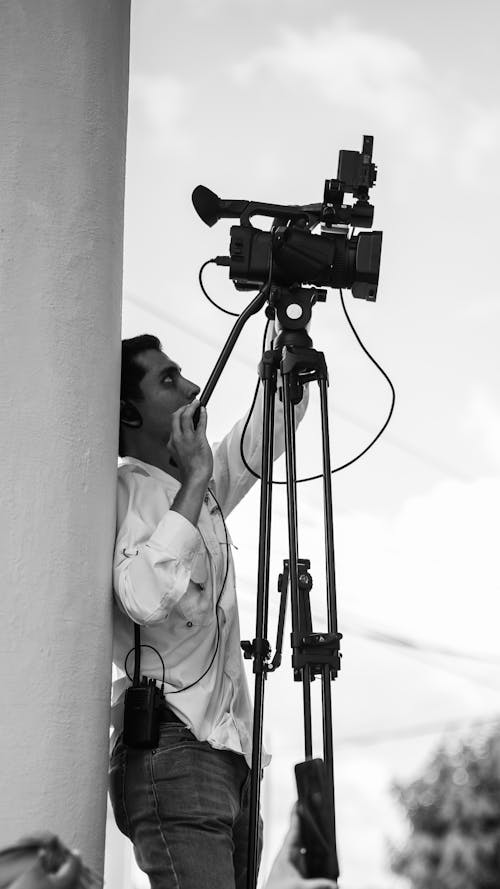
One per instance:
[(200, 567), (222, 543), (196, 605)]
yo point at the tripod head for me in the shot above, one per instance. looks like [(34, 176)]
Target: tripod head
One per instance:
[(290, 254), (291, 309)]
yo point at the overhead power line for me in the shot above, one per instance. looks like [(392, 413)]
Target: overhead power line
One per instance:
[(414, 731), (389, 638), (410, 732), (180, 324), (426, 652), (406, 447)]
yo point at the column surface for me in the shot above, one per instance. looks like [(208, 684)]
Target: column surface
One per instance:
[(63, 111)]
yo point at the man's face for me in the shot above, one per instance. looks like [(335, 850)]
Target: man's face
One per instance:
[(164, 390)]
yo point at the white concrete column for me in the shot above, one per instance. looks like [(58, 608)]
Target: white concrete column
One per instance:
[(63, 110)]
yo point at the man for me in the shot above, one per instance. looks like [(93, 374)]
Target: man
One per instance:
[(183, 804)]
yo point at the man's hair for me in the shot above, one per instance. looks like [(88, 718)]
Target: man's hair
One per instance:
[(133, 371)]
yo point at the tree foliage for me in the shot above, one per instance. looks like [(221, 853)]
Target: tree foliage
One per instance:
[(454, 814)]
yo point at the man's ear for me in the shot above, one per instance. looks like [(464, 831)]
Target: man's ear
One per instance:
[(129, 415)]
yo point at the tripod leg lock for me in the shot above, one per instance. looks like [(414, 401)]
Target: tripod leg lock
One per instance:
[(260, 651), (314, 650)]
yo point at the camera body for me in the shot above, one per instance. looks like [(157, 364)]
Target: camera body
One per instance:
[(290, 254), (330, 259)]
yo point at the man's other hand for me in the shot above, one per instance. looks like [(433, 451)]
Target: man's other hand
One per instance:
[(67, 875), (189, 446), (285, 872)]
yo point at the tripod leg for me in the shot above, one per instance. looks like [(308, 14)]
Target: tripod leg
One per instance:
[(291, 491), (328, 511), (326, 673), (326, 691), (326, 698), (306, 702), (260, 645)]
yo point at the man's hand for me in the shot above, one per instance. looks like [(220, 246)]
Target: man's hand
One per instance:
[(189, 446), (67, 875), (285, 873), (191, 452)]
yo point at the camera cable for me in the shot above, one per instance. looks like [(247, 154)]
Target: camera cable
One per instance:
[(371, 443), (217, 260), (220, 260)]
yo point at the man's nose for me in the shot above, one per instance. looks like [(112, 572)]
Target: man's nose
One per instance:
[(192, 390)]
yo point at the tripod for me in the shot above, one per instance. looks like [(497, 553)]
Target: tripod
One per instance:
[(313, 654)]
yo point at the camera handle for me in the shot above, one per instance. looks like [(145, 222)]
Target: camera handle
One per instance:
[(255, 306)]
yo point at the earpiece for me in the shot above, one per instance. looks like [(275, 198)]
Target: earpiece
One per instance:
[(129, 415)]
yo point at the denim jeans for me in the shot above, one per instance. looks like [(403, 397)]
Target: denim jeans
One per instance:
[(185, 806)]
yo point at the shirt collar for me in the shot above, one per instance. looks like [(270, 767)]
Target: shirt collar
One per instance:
[(158, 473), (152, 470)]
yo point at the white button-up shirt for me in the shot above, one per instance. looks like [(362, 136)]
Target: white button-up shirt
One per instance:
[(168, 576)]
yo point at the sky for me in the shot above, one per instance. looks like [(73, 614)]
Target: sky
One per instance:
[(254, 100)]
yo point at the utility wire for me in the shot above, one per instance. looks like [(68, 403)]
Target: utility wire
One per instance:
[(454, 670), (388, 638), (355, 627), (410, 732), (424, 652), (394, 440), (174, 321), (414, 731)]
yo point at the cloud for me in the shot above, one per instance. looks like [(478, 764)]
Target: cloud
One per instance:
[(349, 68), (393, 86), (482, 422), (476, 152), (430, 571), (162, 102), (427, 572)]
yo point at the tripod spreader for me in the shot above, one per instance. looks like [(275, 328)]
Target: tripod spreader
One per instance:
[(314, 650)]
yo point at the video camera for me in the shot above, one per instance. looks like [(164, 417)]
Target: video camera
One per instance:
[(289, 254)]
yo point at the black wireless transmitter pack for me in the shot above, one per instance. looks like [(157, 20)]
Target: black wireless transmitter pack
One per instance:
[(144, 704)]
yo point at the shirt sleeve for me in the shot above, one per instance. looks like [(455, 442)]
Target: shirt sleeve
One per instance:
[(152, 563), (231, 477)]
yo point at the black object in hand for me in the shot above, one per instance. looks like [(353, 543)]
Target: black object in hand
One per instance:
[(196, 420), (317, 819)]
